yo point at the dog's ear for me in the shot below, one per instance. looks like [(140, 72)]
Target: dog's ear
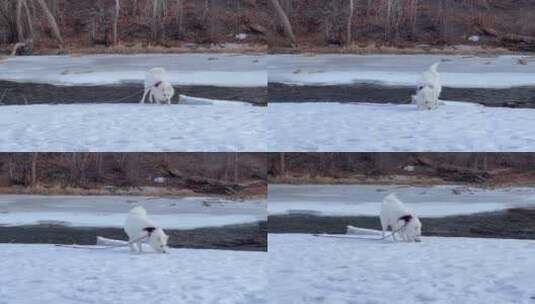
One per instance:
[(149, 230), (407, 218)]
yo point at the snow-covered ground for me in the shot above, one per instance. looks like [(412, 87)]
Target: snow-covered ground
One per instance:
[(110, 211), (48, 274), (306, 269), (463, 127), (225, 70), (132, 128), (365, 200), (403, 70)]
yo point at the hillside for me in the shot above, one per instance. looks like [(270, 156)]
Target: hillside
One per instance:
[(228, 174), (483, 169), (142, 25), (408, 24)]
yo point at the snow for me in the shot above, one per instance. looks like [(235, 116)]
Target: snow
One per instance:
[(306, 269), (225, 70), (402, 70), (196, 101), (454, 127), (48, 274), (111, 211), (132, 128), (365, 200)]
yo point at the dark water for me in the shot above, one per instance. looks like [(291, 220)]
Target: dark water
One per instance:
[(519, 97), (32, 93), (249, 237), (508, 224)]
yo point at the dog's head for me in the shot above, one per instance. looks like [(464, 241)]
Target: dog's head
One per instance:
[(158, 240), (413, 227), (425, 97), (166, 90)]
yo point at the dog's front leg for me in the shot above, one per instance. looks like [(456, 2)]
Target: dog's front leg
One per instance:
[(140, 246), (132, 247), (394, 231), (144, 96)]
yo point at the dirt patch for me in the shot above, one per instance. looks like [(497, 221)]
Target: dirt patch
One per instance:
[(32, 93), (250, 237), (519, 97), (509, 224)]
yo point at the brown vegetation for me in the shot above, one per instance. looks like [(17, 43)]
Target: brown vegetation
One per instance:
[(38, 25), (232, 174), (485, 169), (328, 25)]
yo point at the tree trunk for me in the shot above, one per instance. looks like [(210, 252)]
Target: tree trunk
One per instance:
[(414, 18), (179, 18), (388, 21), (33, 181), (52, 22), (350, 22), (236, 167), (158, 28), (28, 18), (20, 28), (115, 21), (283, 163), (285, 22)]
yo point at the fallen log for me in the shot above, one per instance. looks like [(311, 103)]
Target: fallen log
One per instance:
[(24, 47)]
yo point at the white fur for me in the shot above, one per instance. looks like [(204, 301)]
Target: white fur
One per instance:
[(429, 81), (425, 99), (158, 88), (392, 210), (136, 221)]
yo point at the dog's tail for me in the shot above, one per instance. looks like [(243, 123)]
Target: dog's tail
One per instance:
[(138, 210), (434, 67)]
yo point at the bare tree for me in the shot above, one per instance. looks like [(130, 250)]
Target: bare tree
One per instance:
[(285, 22), (158, 14), (20, 30), (283, 164), (33, 180), (52, 22), (115, 21), (236, 167), (179, 18), (350, 22), (414, 17)]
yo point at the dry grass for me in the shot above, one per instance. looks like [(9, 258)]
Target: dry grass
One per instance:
[(374, 49), (138, 49), (359, 179), (58, 190), (498, 180), (251, 192)]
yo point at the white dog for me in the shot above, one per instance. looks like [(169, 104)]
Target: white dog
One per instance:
[(401, 221), (428, 89), (157, 87), (140, 229)]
